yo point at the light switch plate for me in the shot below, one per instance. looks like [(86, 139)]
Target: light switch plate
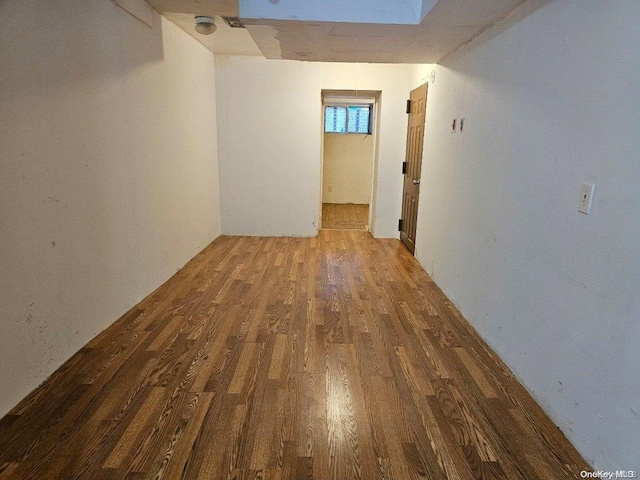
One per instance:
[(586, 195)]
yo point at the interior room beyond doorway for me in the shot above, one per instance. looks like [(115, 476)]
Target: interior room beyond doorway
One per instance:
[(347, 163)]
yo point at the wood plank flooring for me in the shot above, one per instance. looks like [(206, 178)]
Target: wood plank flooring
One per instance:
[(345, 216), (333, 357)]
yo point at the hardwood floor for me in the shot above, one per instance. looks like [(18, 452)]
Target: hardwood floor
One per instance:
[(287, 358), (344, 216)]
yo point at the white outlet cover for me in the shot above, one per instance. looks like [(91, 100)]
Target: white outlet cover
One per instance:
[(586, 197)]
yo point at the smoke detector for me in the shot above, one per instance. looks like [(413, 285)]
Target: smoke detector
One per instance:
[(205, 25)]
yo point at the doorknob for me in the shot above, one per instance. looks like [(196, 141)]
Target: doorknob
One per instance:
[(416, 182)]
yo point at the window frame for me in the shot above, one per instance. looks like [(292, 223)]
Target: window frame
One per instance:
[(346, 106)]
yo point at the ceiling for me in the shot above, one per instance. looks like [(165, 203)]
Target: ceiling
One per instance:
[(225, 40), (223, 8), (438, 28)]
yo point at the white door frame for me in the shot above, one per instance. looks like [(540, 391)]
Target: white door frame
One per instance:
[(353, 97)]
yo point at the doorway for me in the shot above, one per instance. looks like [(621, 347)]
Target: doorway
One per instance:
[(412, 166), (348, 159)]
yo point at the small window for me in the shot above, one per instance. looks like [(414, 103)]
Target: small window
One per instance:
[(347, 119), (335, 119)]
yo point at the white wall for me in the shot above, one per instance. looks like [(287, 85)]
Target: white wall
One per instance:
[(347, 168), (269, 137), (108, 174), (421, 74), (269, 133), (551, 100)]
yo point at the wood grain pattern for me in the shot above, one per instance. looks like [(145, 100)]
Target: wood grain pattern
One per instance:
[(345, 216), (333, 357)]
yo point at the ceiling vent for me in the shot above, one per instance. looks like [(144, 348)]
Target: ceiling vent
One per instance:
[(233, 22)]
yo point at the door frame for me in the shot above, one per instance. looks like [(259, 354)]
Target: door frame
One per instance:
[(354, 96)]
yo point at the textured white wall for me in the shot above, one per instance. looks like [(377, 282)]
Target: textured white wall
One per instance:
[(551, 100), (269, 136), (108, 174), (421, 74), (347, 168), (269, 133)]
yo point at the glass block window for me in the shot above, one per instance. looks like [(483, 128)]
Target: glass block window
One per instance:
[(335, 119), (359, 119), (347, 119)]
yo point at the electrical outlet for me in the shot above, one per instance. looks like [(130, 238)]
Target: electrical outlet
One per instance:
[(453, 125), (586, 195), (461, 128)]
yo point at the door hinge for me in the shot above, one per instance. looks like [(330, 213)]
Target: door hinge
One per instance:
[(400, 225), (404, 167), (408, 106)]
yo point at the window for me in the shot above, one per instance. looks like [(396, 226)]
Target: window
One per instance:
[(347, 119)]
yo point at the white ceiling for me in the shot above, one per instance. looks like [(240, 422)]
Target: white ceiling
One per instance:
[(445, 27), (223, 8), (352, 11)]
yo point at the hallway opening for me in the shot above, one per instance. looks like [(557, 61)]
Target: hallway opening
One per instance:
[(348, 159)]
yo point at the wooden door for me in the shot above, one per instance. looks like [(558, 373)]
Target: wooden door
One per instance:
[(412, 166)]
